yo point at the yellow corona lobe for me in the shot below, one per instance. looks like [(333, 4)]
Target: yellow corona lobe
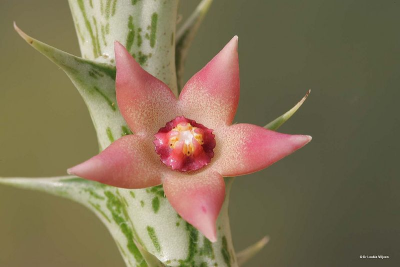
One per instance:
[(185, 133)]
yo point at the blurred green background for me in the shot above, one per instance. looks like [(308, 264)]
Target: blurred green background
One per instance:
[(332, 201)]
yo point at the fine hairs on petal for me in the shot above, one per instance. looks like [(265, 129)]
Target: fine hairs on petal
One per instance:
[(145, 102), (211, 96), (198, 199), (208, 102)]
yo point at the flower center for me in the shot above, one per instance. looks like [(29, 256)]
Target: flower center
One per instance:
[(185, 134), (184, 144)]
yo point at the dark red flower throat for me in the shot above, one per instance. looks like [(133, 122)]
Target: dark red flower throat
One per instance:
[(184, 144)]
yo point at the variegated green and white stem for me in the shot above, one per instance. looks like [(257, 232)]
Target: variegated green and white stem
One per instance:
[(146, 28), (145, 227), (147, 230)]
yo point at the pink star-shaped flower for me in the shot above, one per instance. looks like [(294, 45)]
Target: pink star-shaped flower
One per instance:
[(187, 144)]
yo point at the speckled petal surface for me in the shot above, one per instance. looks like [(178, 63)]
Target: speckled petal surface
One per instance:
[(145, 102), (211, 96), (246, 148), (129, 162), (197, 198)]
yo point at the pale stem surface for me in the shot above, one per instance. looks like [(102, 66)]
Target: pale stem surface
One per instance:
[(147, 29)]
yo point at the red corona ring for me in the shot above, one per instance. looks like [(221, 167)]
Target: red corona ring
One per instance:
[(185, 145)]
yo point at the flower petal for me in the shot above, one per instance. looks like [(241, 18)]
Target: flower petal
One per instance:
[(129, 162), (247, 148), (145, 102), (197, 198), (211, 96)]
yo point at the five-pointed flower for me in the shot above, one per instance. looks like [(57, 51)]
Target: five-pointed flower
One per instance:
[(187, 144)]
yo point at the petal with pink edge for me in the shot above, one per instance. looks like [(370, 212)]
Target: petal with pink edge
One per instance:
[(129, 162), (197, 198), (247, 148), (145, 102), (211, 96)]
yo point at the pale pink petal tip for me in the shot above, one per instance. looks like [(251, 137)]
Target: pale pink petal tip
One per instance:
[(235, 38), (122, 164), (206, 224), (70, 171), (212, 94), (84, 169), (209, 229), (197, 199), (301, 140), (248, 148)]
